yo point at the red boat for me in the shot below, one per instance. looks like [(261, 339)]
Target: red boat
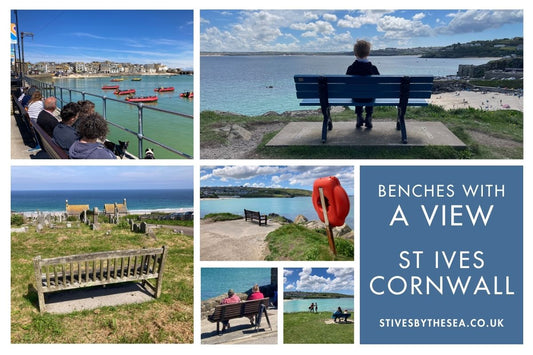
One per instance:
[(110, 87), (164, 89), (124, 92), (142, 99), (187, 94)]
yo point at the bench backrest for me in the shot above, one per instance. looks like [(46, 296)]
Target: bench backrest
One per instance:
[(98, 268), (237, 310), (363, 87), (251, 213), (47, 143)]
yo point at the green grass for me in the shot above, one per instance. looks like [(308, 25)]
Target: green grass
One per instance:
[(295, 242), (502, 124), (311, 328), (168, 319), (223, 216)]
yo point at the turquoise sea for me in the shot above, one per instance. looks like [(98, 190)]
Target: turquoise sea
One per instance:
[(287, 207), (324, 304), (217, 281), (137, 200), (253, 85), (173, 131)]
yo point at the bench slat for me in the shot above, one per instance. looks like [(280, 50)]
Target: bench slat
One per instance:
[(365, 79), (371, 92), (376, 102)]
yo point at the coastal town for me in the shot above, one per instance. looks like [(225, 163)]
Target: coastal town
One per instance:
[(97, 68)]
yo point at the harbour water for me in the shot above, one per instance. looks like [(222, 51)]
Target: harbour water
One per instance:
[(253, 85), (217, 281), (171, 130), (137, 200), (324, 304), (287, 207)]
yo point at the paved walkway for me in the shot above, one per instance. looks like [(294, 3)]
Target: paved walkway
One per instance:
[(234, 240), (383, 133), (241, 332)]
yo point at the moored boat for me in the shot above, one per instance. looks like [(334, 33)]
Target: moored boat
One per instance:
[(136, 79), (142, 99), (187, 94), (116, 79), (162, 89), (110, 87), (124, 92)]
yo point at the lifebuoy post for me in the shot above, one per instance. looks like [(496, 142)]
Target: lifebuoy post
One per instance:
[(329, 230), (332, 205)]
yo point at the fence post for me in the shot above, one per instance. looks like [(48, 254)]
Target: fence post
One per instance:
[(140, 132)]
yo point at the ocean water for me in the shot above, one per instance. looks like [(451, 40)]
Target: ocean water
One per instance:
[(287, 207), (324, 304), (173, 131), (137, 200), (217, 281), (253, 85)]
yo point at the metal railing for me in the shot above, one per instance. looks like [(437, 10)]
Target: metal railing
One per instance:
[(58, 92)]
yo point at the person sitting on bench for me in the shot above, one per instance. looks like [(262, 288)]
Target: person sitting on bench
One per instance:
[(362, 66)]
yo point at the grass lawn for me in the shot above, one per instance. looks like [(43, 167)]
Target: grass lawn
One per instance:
[(503, 132), (295, 242), (311, 328), (168, 319)]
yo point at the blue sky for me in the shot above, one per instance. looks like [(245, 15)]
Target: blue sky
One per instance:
[(333, 30), (101, 177), (295, 177), (335, 280), (125, 36)]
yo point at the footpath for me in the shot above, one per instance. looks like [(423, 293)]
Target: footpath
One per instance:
[(234, 240)]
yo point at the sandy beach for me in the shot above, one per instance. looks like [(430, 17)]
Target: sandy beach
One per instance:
[(486, 101)]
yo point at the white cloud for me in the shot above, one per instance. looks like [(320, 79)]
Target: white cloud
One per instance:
[(479, 20), (330, 17), (342, 279), (419, 16), (367, 17)]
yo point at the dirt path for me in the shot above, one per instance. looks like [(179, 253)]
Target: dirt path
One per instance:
[(234, 240)]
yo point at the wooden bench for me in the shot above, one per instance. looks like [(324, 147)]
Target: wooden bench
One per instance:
[(383, 90), (254, 308), (47, 143), (255, 215), (43, 139), (96, 269)]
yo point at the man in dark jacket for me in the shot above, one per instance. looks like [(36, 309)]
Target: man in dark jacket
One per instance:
[(362, 66), (46, 119), (64, 133)]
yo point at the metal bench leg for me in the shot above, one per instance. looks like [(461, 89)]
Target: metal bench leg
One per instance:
[(327, 124), (401, 124)]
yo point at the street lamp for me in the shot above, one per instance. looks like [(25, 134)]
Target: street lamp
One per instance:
[(22, 35)]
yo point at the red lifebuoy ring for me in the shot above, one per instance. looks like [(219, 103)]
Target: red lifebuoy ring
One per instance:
[(336, 198)]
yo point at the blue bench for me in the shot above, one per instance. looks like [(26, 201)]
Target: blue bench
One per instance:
[(382, 90), (341, 316)]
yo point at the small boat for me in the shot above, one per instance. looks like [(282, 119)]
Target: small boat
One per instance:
[(161, 89), (142, 99), (124, 92), (136, 79), (117, 79), (187, 94), (110, 87)]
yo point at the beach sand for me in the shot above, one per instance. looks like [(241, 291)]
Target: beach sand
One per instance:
[(487, 101)]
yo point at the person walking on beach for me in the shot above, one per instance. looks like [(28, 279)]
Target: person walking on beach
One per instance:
[(362, 66), (232, 298)]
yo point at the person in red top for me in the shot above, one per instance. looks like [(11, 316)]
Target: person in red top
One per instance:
[(232, 298), (256, 293)]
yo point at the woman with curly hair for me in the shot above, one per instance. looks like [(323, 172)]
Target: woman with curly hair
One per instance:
[(92, 130)]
